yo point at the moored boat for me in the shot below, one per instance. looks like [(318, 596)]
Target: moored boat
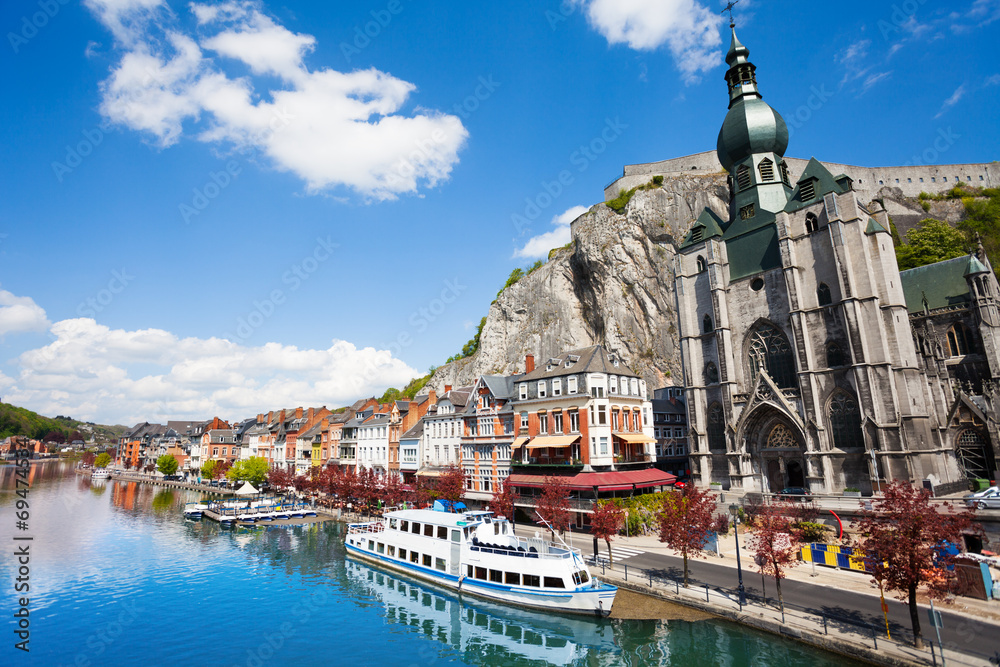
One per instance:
[(479, 554), (194, 510), (100, 473)]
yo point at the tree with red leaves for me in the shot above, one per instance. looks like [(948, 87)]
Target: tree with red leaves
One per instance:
[(392, 490), (606, 522), (88, 458), (901, 536), (504, 499), (278, 477), (686, 521), (553, 505), (367, 487), (774, 543), (421, 494), (451, 486), (221, 468)]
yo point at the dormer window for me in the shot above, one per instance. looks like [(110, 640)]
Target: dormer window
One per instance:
[(743, 177), (766, 169), (613, 384), (807, 190), (696, 234), (783, 168), (522, 391), (541, 389), (571, 385), (557, 387)]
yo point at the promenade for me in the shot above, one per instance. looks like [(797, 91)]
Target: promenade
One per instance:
[(838, 610)]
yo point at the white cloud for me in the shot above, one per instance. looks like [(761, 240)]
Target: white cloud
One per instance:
[(20, 314), (873, 79), (331, 129), (539, 246), (117, 376), (952, 101), (992, 80), (690, 30)]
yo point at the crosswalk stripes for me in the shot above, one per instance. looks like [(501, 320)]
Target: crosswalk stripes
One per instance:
[(619, 553)]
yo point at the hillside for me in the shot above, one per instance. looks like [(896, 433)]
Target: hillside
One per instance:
[(21, 421)]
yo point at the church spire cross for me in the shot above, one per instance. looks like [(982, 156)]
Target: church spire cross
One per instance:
[(729, 8)]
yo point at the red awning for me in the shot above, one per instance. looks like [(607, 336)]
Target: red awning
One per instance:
[(604, 481)]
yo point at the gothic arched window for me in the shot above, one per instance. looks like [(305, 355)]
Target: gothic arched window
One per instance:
[(845, 421), (812, 223), (823, 294), (706, 324), (770, 351), (702, 266), (959, 340), (716, 429), (711, 373), (743, 177), (781, 437), (834, 356)]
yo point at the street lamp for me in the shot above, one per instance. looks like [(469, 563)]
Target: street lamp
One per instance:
[(734, 509)]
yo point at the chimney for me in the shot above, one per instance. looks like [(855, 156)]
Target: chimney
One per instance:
[(529, 363), (432, 398), (309, 415), (281, 416), (447, 388), (270, 416), (298, 413)]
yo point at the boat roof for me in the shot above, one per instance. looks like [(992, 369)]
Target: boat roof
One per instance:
[(439, 518)]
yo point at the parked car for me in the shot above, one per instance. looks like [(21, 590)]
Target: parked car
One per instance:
[(971, 498), (991, 501), (794, 493), (682, 482)]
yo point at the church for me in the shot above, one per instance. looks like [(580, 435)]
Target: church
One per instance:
[(809, 359)]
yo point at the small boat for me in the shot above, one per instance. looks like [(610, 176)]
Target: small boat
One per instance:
[(100, 473), (479, 554), (194, 510)]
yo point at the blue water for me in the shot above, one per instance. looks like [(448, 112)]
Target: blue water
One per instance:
[(118, 577)]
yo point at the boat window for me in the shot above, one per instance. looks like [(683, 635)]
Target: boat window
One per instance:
[(428, 530), (427, 560), (404, 525), (456, 536), (402, 554), (414, 557), (392, 551), (496, 528), (392, 523), (497, 576), (554, 582), (442, 533), (468, 571), (371, 545), (513, 578), (415, 528), (439, 564), (481, 573), (380, 548), (581, 577), (532, 580)]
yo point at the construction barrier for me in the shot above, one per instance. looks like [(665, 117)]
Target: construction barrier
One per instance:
[(831, 555)]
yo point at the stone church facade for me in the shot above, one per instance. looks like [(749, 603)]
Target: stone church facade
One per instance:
[(809, 359)]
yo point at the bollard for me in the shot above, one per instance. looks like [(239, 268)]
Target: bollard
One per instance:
[(825, 631), (875, 637), (677, 585), (626, 572), (650, 579), (933, 656), (706, 593)]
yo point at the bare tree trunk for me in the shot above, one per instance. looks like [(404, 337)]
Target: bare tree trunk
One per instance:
[(611, 557), (685, 569), (781, 603), (918, 641)]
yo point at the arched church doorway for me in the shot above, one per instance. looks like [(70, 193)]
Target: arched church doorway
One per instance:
[(776, 451), (796, 477)]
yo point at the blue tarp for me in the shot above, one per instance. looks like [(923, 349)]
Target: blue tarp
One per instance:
[(447, 506)]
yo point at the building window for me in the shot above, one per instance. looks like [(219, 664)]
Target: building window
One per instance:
[(604, 446), (543, 422), (571, 385), (557, 387), (574, 421), (522, 391), (702, 266), (834, 356), (812, 223), (613, 384), (743, 177), (781, 437), (747, 212), (766, 169), (823, 294), (716, 429), (807, 191), (602, 415), (845, 421), (770, 352), (706, 323), (541, 389), (974, 455), (959, 340), (557, 422), (711, 373), (524, 420), (783, 168)]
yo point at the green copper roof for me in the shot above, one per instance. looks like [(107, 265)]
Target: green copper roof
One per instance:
[(737, 52), (974, 266), (824, 183), (751, 126), (753, 252), (706, 226), (942, 284), (874, 227)]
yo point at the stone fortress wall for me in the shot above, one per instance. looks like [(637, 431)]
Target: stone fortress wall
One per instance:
[(911, 181)]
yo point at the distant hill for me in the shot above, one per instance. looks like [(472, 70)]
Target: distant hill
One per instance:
[(21, 421)]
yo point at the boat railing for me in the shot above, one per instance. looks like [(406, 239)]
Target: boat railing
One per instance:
[(370, 527), (273, 509), (552, 553)]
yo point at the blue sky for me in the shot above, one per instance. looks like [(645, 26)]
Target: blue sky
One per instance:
[(223, 208)]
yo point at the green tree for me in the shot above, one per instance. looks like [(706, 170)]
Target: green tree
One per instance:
[(102, 461), (930, 241), (208, 468), (983, 218), (253, 470), (391, 394), (166, 464)]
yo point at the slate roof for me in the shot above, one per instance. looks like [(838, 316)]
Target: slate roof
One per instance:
[(942, 284), (594, 359), (414, 432), (670, 406)]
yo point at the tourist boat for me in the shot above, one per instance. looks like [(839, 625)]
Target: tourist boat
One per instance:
[(479, 554), (100, 473), (194, 510)]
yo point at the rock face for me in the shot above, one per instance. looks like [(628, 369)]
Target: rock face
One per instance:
[(614, 287)]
